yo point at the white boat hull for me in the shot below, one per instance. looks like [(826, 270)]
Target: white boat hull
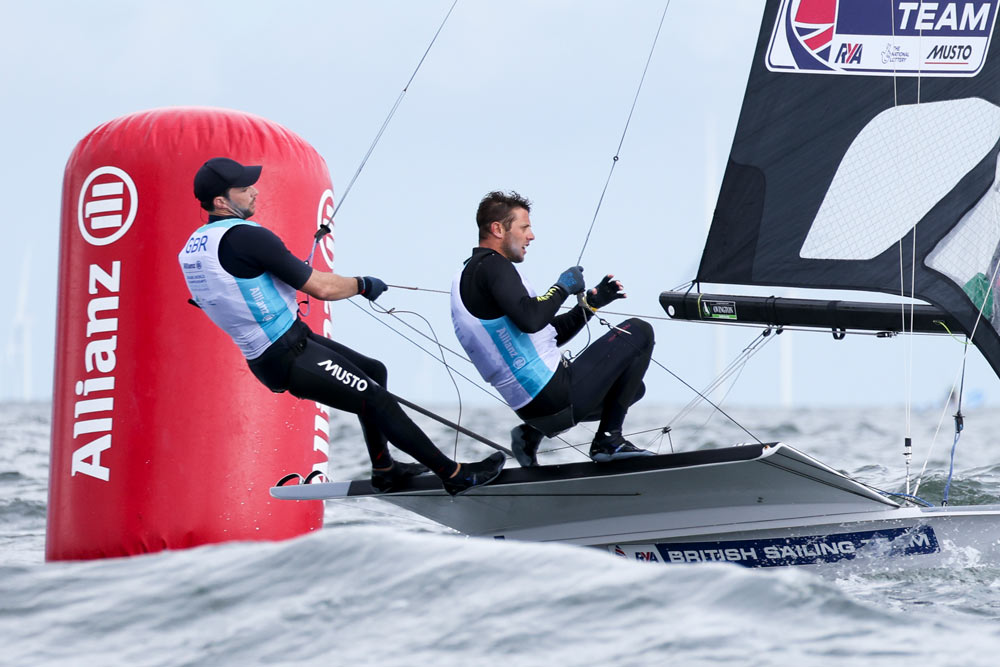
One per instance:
[(755, 505)]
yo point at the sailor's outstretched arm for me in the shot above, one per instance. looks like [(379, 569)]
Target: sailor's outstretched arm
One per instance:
[(330, 286)]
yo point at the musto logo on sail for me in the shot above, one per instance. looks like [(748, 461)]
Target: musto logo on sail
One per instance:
[(807, 550), (859, 37)]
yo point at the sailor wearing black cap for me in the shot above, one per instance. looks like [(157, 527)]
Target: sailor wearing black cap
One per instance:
[(245, 279)]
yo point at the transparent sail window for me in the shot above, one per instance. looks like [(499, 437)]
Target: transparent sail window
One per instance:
[(897, 168)]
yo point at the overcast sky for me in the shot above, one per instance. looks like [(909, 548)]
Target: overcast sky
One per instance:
[(519, 94)]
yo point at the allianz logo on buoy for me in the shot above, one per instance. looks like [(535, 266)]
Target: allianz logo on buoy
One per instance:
[(324, 215), (107, 206)]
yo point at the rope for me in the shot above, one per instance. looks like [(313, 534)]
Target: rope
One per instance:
[(892, 22), (324, 227), (392, 112), (377, 307), (737, 364), (420, 289), (614, 160), (951, 468), (908, 363), (451, 369), (682, 381), (959, 380), (749, 325), (417, 345)]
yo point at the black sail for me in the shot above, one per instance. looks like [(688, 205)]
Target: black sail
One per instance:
[(868, 136)]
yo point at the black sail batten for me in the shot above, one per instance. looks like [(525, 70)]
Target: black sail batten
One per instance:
[(817, 313), (830, 174)]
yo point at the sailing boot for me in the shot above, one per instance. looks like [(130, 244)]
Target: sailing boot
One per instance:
[(475, 474), (396, 477), (524, 442), (612, 446)]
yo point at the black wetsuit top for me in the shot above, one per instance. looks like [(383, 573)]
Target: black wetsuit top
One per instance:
[(246, 251), (491, 287), (601, 383)]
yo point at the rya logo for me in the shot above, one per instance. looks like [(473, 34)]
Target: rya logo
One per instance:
[(849, 53), (350, 379), (831, 36)]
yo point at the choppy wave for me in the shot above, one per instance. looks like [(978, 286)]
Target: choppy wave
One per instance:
[(372, 595), (380, 586)]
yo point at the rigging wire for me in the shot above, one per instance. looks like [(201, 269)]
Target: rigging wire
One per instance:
[(443, 360), (378, 308), (392, 111), (908, 360), (737, 364), (420, 289), (395, 313), (686, 384), (734, 366), (614, 160), (945, 331), (959, 425), (959, 420), (892, 23), (325, 227)]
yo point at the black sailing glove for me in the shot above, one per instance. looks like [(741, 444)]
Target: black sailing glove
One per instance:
[(606, 291), (370, 288), (571, 280)]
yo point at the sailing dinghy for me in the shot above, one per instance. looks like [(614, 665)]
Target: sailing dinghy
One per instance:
[(865, 158)]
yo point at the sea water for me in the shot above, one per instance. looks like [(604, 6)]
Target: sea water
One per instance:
[(378, 586)]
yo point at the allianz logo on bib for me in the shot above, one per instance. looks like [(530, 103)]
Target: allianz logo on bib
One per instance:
[(107, 205), (350, 379), (517, 361), (895, 38)]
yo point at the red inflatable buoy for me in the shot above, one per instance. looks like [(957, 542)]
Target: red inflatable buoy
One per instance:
[(161, 437)]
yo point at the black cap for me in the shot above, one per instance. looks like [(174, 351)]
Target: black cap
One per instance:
[(219, 174)]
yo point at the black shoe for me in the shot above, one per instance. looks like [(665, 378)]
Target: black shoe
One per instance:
[(396, 477), (613, 447), (475, 474), (524, 442)]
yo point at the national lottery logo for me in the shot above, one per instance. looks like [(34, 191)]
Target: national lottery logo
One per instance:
[(324, 215), (891, 38)]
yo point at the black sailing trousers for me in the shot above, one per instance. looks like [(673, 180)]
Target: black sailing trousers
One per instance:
[(315, 368), (603, 382)]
